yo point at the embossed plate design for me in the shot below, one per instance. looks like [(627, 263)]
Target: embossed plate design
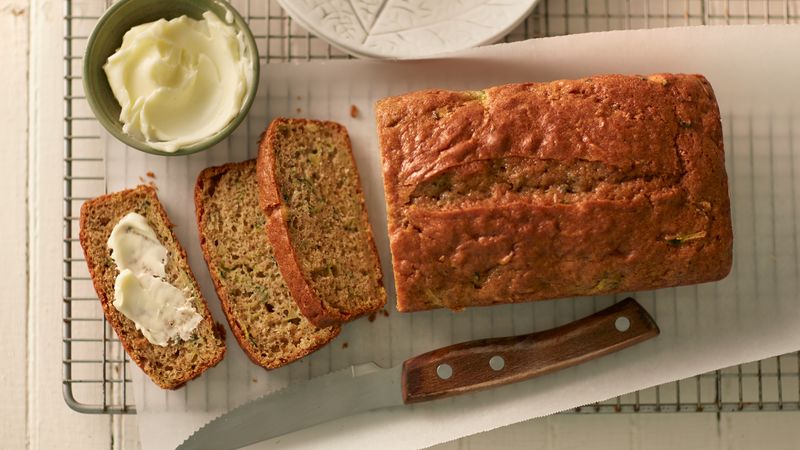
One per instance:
[(407, 28)]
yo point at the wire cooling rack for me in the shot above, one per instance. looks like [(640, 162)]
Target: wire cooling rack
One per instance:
[(95, 376)]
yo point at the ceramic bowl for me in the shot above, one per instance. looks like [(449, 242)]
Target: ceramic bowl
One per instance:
[(107, 38)]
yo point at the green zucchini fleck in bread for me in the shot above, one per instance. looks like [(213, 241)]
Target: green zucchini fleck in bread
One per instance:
[(266, 322), (317, 220), (172, 366)]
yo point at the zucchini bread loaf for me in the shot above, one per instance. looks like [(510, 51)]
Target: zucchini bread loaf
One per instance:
[(544, 190)]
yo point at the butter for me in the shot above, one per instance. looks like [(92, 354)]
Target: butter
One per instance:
[(160, 310), (135, 246), (179, 81)]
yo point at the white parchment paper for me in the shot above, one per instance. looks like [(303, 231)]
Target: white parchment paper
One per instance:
[(753, 314)]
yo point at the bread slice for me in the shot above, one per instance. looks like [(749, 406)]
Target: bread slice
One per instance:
[(266, 322), (317, 221), (172, 366)]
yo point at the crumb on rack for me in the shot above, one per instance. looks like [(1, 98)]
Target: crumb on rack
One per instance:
[(385, 312), (372, 316), (344, 344), (299, 97), (150, 174), (299, 110), (141, 180), (353, 111)]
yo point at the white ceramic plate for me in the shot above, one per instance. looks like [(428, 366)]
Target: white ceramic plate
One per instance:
[(407, 28)]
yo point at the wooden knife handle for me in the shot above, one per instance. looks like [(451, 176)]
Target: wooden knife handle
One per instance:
[(476, 365)]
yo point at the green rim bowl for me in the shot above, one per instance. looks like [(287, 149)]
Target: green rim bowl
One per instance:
[(107, 38)]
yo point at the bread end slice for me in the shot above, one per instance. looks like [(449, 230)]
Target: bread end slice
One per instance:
[(317, 221), (262, 315), (172, 366)]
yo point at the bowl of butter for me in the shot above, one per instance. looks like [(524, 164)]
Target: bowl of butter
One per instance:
[(171, 77)]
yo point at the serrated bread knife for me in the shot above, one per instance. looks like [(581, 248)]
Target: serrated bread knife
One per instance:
[(448, 371)]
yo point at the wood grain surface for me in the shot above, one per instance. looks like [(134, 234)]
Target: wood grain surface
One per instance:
[(468, 366), (13, 158)]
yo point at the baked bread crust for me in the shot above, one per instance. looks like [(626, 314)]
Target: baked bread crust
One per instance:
[(313, 306), (319, 339), (544, 190), (98, 218)]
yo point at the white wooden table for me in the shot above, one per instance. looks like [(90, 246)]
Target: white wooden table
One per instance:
[(32, 411)]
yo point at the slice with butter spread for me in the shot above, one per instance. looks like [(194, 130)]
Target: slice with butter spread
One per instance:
[(142, 265)]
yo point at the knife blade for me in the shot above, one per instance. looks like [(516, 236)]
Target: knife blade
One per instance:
[(448, 371)]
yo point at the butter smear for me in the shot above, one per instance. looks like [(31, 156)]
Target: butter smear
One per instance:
[(160, 310)]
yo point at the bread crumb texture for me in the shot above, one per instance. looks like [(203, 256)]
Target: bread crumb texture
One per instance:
[(324, 214), (260, 311), (544, 190)]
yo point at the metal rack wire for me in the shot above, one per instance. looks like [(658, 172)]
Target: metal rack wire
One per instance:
[(95, 376)]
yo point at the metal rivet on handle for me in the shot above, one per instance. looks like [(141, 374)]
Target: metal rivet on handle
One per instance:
[(622, 323), (444, 371), (497, 362)]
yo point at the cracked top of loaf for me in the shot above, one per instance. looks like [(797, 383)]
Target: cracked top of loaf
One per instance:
[(542, 190)]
